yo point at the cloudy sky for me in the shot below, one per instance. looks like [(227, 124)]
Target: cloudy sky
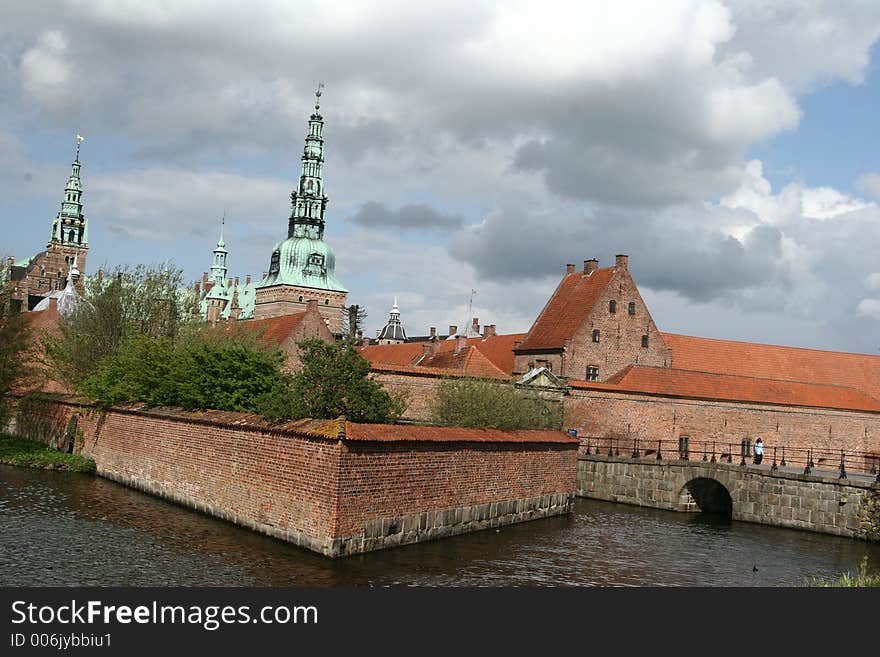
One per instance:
[(732, 149)]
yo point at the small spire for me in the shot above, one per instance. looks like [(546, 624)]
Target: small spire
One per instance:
[(394, 308), (318, 92), (79, 139), (221, 243)]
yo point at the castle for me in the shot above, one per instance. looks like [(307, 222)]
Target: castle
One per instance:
[(302, 268), (46, 274), (594, 346)]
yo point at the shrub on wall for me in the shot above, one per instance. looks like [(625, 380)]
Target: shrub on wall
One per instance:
[(476, 403), (333, 382), (200, 372)]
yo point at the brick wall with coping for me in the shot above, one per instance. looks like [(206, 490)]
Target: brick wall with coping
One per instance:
[(324, 492), (608, 414)]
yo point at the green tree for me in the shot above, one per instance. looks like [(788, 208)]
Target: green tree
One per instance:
[(334, 381), (120, 304), (202, 371), (468, 402), (16, 352)]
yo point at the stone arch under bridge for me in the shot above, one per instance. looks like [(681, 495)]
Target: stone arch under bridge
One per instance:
[(814, 502)]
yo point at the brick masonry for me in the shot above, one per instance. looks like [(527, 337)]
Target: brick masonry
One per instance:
[(324, 493), (612, 414), (810, 502)]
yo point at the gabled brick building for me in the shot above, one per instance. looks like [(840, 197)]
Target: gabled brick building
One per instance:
[(593, 326), (623, 377)]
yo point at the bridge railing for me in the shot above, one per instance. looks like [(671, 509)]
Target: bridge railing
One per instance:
[(821, 459)]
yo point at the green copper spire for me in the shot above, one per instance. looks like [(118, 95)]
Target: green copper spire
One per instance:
[(307, 201), (218, 268), (304, 258), (69, 226)]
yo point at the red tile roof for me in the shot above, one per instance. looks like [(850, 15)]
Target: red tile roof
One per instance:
[(860, 371), (271, 331), (491, 357), (572, 301), (691, 384)]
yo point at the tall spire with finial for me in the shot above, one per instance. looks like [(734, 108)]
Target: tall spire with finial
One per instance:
[(69, 226), (218, 267), (308, 201)]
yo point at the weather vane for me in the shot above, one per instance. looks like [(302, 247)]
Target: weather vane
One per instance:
[(318, 92), (79, 139)]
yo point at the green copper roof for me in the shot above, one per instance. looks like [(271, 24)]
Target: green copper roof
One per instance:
[(304, 262)]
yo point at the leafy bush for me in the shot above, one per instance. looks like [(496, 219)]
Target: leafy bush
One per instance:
[(123, 303), (201, 372), (477, 403), (333, 382)]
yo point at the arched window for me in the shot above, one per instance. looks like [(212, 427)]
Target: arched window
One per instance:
[(612, 306), (595, 335), (300, 298)]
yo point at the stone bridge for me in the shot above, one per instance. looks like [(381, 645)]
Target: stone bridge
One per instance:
[(819, 501)]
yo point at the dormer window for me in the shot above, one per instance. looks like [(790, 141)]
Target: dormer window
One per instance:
[(612, 306), (595, 335), (275, 262), (632, 307), (315, 266)]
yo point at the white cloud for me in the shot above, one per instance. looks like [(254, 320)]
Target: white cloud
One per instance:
[(869, 308), (46, 72), (869, 183)]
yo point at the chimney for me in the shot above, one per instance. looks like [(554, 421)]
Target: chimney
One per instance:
[(569, 268), (236, 281), (460, 344), (228, 282), (205, 280), (312, 306), (590, 266), (488, 330), (621, 261), (453, 330), (247, 279), (475, 325), (433, 332), (198, 289)]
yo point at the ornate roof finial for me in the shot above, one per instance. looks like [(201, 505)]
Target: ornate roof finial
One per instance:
[(222, 224), (79, 139), (318, 92)]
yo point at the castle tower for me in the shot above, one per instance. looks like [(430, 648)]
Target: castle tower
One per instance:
[(393, 332), (35, 278), (303, 267)]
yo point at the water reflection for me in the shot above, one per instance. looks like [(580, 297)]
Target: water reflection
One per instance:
[(70, 529)]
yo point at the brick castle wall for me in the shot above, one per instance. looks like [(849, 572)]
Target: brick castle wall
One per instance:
[(611, 414), (399, 481), (329, 495)]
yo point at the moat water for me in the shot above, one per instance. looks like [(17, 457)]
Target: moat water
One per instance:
[(61, 529)]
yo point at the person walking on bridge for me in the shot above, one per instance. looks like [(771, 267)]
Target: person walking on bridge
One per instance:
[(759, 451)]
